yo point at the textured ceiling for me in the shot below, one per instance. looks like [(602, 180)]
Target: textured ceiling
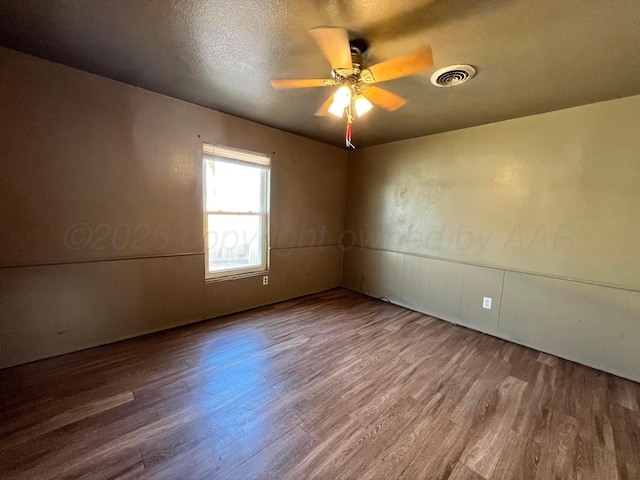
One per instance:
[(532, 56)]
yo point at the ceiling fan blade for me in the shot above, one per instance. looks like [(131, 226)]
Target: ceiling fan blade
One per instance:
[(385, 99), (300, 83), (334, 43), (398, 67), (324, 109)]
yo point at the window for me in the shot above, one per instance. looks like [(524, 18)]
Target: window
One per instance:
[(236, 222)]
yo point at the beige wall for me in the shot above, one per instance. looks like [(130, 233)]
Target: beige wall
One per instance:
[(76, 148), (557, 193), (539, 213)]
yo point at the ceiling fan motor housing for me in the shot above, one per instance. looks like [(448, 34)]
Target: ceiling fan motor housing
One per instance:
[(358, 48), (359, 45)]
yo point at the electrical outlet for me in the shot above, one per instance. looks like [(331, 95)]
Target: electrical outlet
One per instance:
[(265, 280), (486, 303)]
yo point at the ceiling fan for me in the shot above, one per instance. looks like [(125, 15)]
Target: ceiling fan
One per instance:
[(356, 93)]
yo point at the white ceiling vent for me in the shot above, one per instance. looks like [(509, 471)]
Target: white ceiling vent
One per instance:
[(452, 75)]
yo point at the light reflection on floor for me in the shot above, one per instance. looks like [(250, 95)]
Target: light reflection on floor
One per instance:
[(234, 386)]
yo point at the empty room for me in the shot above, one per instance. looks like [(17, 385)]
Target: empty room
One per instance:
[(320, 240)]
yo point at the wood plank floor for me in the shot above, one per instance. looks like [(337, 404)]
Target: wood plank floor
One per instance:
[(334, 385)]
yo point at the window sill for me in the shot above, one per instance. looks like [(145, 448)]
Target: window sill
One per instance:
[(236, 277)]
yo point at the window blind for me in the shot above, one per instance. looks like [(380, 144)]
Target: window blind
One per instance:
[(233, 155)]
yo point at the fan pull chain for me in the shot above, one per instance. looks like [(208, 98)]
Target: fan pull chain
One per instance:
[(350, 116), (348, 143)]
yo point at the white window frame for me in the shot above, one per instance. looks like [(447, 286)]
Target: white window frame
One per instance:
[(247, 158)]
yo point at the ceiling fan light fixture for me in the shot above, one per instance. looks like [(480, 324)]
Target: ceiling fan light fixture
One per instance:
[(342, 97), (336, 109), (362, 105)]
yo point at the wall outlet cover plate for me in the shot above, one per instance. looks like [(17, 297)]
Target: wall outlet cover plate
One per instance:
[(486, 303)]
